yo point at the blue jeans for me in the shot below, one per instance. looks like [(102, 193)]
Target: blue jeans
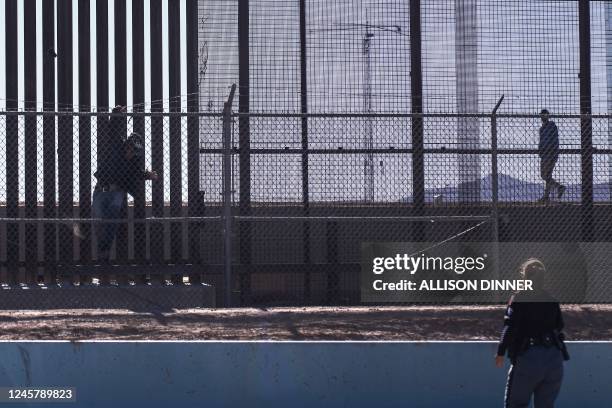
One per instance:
[(537, 372), (107, 205)]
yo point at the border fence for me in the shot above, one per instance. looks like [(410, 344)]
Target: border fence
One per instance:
[(352, 120), (297, 238)]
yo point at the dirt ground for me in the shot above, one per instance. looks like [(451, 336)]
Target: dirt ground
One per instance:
[(584, 322)]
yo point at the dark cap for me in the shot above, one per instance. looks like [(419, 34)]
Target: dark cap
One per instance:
[(136, 141), (544, 112)]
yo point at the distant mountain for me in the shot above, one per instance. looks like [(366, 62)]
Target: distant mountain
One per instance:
[(512, 190)]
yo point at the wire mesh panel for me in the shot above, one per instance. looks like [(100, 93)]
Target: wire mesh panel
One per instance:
[(116, 170), (601, 54), (218, 52), (356, 192), (358, 56), (476, 50), (293, 248), (325, 148), (274, 47), (279, 274), (521, 172)]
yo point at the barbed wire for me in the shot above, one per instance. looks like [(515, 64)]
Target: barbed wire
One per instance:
[(103, 108)]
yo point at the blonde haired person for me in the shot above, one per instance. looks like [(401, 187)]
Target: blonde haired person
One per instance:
[(533, 340)]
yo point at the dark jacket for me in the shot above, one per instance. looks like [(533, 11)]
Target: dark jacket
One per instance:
[(118, 170), (113, 167), (526, 318), (549, 141)]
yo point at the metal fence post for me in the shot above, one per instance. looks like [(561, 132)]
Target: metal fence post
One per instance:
[(85, 150), (416, 87), (244, 145), (227, 196), (65, 123), (494, 169), (138, 89), (495, 189), (120, 83), (30, 136), (174, 145), (194, 196), (157, 135), (305, 186), (586, 122)]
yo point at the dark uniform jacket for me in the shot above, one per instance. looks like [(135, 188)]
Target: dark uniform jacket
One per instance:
[(526, 319)]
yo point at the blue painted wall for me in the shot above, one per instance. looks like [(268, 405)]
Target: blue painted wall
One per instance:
[(297, 374)]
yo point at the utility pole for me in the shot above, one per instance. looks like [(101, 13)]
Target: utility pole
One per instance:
[(368, 139)]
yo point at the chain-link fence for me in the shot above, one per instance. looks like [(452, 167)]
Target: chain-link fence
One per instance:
[(274, 208), (356, 55)]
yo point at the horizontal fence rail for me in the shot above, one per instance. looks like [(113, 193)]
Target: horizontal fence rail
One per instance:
[(298, 210), (348, 115)]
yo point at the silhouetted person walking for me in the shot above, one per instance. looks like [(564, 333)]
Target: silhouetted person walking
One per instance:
[(549, 154)]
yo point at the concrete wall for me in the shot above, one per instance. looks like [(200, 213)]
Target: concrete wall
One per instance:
[(352, 374)]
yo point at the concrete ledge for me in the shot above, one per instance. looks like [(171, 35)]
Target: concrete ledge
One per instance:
[(134, 297), (296, 374)]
